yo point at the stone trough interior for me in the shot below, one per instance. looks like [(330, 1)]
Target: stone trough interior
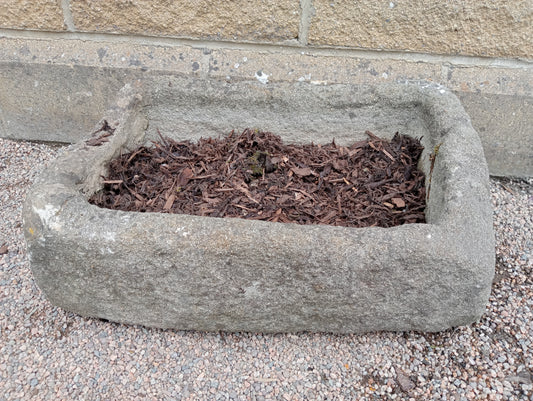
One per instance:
[(201, 273)]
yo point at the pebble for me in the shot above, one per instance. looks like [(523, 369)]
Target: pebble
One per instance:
[(98, 360)]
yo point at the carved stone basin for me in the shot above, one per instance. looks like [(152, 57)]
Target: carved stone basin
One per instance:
[(204, 273)]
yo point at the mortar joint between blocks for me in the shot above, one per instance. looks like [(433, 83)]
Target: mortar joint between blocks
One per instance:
[(67, 16), (306, 12)]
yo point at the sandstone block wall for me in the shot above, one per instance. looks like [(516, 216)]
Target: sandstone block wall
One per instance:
[(77, 52), (497, 28), (46, 15), (230, 20)]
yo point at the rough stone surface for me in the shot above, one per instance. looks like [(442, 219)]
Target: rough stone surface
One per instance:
[(511, 152), (243, 20), (183, 108), (32, 14), (54, 104), (192, 272), (499, 28)]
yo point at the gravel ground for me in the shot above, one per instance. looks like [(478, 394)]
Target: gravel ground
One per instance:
[(50, 354)]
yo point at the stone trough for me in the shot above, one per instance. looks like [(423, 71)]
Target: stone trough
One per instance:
[(203, 273)]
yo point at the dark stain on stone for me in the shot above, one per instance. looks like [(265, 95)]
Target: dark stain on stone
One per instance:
[(450, 73), (101, 53), (24, 51), (212, 65), (195, 66), (134, 61)]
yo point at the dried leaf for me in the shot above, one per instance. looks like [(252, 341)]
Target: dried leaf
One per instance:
[(184, 177), (3, 249), (373, 146), (339, 165), (169, 202), (388, 154), (399, 202), (284, 198), (99, 140), (371, 135), (302, 172)]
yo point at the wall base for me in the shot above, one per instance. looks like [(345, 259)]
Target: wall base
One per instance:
[(56, 88)]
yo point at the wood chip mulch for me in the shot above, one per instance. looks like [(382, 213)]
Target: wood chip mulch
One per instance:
[(255, 176)]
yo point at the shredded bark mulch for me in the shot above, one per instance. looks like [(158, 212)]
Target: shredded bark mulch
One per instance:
[(255, 176)]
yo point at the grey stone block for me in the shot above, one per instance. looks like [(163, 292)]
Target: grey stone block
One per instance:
[(203, 273)]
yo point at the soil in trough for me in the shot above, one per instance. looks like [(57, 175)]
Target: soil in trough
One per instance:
[(254, 175)]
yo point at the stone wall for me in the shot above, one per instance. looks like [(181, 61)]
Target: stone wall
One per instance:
[(61, 61)]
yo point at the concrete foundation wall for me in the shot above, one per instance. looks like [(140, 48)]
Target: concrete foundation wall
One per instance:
[(62, 61)]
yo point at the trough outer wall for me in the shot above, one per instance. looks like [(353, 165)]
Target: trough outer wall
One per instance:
[(186, 272)]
